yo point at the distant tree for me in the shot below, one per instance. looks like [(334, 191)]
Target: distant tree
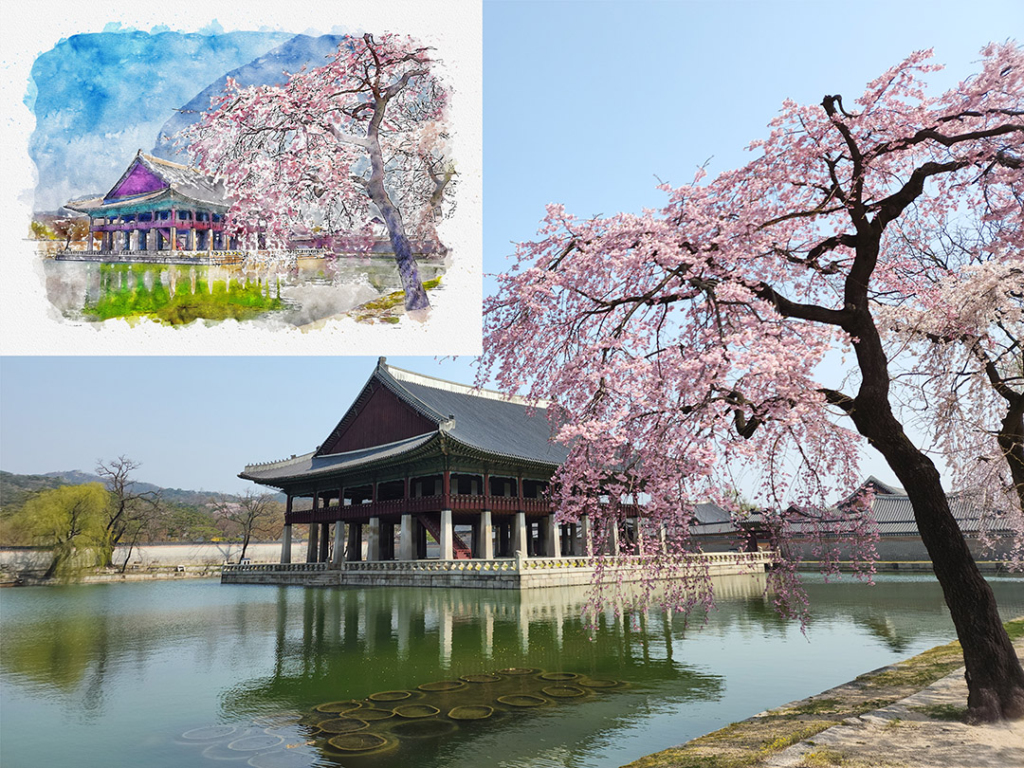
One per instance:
[(68, 520), (252, 513), (71, 230), (363, 135), (681, 343), (130, 514), (40, 231)]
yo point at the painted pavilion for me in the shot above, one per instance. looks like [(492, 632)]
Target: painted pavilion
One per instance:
[(158, 206), (415, 454)]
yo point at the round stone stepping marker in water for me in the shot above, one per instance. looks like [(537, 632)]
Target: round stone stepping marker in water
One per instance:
[(416, 711), (443, 685), (337, 707), (523, 700), (563, 691), (558, 676), (471, 712), (485, 677), (423, 729), (589, 682), (372, 714), (219, 751), (256, 743), (517, 671), (390, 696), (358, 742), (343, 725), (210, 733)]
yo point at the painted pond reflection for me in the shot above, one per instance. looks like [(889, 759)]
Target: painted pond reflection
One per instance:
[(307, 291), (193, 673)]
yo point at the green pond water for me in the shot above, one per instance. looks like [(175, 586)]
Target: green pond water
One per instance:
[(194, 673), (308, 291)]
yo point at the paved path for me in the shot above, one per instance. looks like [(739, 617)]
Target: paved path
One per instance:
[(907, 735)]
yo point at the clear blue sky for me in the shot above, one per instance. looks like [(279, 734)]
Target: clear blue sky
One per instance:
[(585, 103)]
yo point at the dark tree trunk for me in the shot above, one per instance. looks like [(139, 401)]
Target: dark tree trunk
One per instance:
[(1011, 442), (995, 678)]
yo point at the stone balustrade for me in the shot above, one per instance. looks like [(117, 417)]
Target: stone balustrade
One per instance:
[(501, 573)]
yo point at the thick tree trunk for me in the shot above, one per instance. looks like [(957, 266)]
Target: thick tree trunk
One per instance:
[(995, 679)]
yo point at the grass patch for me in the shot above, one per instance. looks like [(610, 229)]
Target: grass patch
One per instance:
[(823, 757), (378, 309), (816, 707), (943, 712), (1015, 629)]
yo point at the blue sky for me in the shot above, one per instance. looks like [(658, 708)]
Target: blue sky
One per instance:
[(585, 103)]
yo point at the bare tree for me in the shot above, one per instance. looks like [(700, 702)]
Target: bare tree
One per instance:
[(254, 513), (130, 513)]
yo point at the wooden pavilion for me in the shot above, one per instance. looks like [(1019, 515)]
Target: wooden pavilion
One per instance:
[(158, 206), (415, 454)]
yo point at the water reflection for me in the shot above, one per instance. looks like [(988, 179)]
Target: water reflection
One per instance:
[(278, 295), (157, 668)]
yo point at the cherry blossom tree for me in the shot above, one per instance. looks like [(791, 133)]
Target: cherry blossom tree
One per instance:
[(681, 344), (966, 331), (363, 136)]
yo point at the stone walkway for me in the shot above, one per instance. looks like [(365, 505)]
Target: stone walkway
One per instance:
[(919, 731)]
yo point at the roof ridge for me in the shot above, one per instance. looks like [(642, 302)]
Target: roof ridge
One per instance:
[(280, 462), (400, 374), (171, 163)]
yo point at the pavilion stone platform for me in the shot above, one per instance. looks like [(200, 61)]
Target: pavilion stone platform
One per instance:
[(519, 573)]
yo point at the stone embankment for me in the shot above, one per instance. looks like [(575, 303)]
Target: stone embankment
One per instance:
[(908, 715)]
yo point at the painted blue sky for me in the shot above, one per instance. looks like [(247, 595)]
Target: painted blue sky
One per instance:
[(98, 98), (585, 103)]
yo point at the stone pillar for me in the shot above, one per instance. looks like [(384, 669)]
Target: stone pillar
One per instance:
[(553, 538), (447, 549), (339, 542), (586, 537), (92, 238), (519, 534), (407, 547), (663, 539), (311, 549), (373, 541), (612, 537), (325, 542), (484, 548), (286, 545), (355, 542)]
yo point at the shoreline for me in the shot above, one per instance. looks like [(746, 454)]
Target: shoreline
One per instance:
[(905, 715)]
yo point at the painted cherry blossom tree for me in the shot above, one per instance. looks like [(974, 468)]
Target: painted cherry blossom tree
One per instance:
[(364, 136), (683, 344)]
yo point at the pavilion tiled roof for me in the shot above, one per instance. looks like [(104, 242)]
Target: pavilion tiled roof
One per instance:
[(478, 420), (183, 183)]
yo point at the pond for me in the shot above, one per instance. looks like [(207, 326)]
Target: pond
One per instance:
[(275, 295), (194, 673)]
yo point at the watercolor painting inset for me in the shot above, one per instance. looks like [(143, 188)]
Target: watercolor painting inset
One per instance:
[(244, 188)]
